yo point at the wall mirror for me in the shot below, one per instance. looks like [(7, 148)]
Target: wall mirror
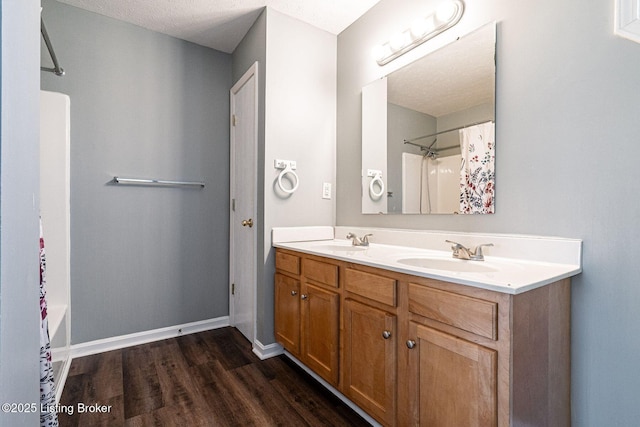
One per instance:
[(428, 132)]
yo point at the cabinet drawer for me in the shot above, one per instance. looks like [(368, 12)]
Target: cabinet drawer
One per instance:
[(372, 286), (473, 315), (288, 263), (320, 272)]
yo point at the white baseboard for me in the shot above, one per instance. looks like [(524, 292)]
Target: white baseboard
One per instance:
[(266, 351), (122, 341)]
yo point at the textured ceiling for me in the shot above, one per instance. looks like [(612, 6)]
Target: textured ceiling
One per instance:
[(221, 24), (454, 78)]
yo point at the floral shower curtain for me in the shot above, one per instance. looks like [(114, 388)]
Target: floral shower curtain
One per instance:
[(48, 416), (477, 173)]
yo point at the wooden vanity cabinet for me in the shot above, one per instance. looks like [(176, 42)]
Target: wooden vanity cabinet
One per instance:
[(455, 380), (370, 340), (320, 331), (476, 357), (414, 351), (307, 312), (287, 312), (452, 357)]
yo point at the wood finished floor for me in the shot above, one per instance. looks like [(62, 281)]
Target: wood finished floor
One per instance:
[(206, 379)]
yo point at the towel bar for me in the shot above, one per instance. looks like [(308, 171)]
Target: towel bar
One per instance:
[(159, 182)]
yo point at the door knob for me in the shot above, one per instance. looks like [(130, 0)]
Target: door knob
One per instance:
[(294, 293), (386, 335), (304, 296), (248, 222), (411, 344)]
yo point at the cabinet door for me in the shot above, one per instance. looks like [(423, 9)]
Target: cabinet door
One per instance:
[(287, 312), (370, 359), (320, 331), (456, 380)]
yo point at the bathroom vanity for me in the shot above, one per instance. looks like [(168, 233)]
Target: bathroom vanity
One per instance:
[(445, 344)]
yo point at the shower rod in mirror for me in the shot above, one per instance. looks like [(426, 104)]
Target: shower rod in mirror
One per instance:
[(409, 141)]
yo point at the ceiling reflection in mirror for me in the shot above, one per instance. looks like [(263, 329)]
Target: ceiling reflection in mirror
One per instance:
[(428, 132)]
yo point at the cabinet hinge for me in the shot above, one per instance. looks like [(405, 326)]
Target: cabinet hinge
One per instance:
[(234, 120), (233, 289)]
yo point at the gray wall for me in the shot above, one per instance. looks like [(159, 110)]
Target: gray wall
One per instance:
[(403, 123), (150, 106), (19, 183), (252, 48), (297, 122), (567, 136), (300, 125)]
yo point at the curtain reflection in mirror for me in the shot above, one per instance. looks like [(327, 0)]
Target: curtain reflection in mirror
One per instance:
[(477, 169), (459, 183)]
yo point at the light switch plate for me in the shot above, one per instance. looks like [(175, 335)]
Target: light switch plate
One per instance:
[(326, 190)]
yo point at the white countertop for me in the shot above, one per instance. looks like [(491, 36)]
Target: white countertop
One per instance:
[(502, 274)]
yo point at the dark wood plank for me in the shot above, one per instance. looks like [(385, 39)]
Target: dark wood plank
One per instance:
[(309, 398), (195, 350), (230, 348), (73, 392), (207, 379), (141, 382), (226, 403), (179, 415)]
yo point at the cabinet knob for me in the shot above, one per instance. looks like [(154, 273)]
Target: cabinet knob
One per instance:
[(386, 335), (294, 293), (304, 296), (411, 344)]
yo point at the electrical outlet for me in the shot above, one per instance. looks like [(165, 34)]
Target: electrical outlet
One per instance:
[(326, 190)]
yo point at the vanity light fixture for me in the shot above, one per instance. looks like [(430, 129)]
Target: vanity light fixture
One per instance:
[(445, 16)]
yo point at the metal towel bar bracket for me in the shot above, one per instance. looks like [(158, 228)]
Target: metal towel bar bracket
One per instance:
[(158, 182)]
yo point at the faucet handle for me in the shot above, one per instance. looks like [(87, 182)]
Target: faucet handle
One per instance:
[(477, 252), (459, 250), (455, 246), (355, 240)]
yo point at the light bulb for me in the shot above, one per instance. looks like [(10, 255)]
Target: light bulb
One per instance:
[(380, 52), (421, 27), (398, 41), (446, 12)]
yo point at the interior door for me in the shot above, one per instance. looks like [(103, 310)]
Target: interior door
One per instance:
[(243, 250)]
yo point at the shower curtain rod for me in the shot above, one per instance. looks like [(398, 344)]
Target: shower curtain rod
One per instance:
[(422, 147), (56, 66), (429, 149), (409, 141)]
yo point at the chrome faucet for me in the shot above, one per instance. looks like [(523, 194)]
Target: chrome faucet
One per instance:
[(462, 252), (357, 241)]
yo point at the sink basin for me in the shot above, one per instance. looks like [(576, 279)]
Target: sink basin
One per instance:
[(453, 265), (340, 248)]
